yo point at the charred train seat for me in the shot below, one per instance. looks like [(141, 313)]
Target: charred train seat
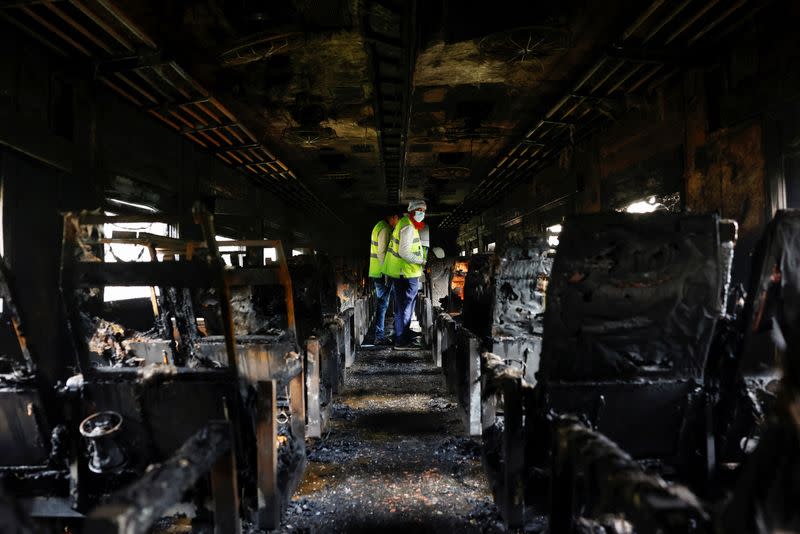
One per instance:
[(760, 490), (632, 307), (229, 411)]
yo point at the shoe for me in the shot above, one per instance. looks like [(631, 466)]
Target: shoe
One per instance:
[(383, 342), (410, 345)]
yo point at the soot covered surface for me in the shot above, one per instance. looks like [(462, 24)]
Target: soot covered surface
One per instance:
[(633, 296), (394, 459)]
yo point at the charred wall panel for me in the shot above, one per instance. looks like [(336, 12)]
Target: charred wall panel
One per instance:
[(32, 199), (728, 177)]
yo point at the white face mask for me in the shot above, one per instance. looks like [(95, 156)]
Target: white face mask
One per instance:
[(419, 216)]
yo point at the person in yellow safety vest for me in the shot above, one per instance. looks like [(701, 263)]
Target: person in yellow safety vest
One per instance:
[(381, 233), (404, 261)]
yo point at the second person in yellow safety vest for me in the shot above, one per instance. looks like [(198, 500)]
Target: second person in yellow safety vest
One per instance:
[(381, 234), (403, 264)]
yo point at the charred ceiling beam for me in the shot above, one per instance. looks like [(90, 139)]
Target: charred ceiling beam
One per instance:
[(623, 69), (388, 27)]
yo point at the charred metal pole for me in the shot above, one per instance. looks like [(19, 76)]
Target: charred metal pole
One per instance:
[(206, 221)]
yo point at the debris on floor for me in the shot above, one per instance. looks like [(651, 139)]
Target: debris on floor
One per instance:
[(394, 458)]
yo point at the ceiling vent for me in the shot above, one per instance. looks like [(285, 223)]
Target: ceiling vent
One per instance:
[(526, 44), (308, 136)]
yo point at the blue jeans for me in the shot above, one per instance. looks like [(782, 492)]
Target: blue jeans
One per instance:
[(405, 293), (383, 292)]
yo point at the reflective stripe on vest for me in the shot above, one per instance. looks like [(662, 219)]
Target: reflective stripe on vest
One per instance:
[(374, 258), (394, 265)]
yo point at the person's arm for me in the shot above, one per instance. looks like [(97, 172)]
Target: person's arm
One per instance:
[(406, 240), (383, 244)]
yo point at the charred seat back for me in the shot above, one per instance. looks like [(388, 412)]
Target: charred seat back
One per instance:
[(522, 271), (439, 272), (768, 488), (314, 288), (771, 313), (632, 305), (504, 299)]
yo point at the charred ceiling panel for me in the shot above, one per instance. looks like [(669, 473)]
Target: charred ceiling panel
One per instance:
[(126, 59), (477, 81), (388, 29)]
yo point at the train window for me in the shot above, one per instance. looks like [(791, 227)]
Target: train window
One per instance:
[(129, 253), (230, 254), (490, 247), (552, 234), (475, 250), (270, 255)]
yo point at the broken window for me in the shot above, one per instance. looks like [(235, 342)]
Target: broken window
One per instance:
[(126, 252), (230, 254)]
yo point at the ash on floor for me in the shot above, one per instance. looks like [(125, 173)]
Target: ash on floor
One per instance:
[(394, 458)]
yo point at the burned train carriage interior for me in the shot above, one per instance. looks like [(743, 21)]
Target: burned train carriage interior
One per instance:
[(400, 266)]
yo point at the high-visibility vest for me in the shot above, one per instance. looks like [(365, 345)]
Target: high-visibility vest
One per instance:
[(374, 261), (395, 266)]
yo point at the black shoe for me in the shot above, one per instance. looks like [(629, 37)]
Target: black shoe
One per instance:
[(408, 345), (383, 342)]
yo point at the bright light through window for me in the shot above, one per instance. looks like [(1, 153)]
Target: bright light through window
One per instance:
[(490, 247), (297, 252), (270, 255), (555, 229), (647, 205), (475, 250), (552, 234), (129, 253), (463, 253)]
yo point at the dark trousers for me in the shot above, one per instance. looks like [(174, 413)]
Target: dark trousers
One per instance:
[(405, 292), (383, 292)]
